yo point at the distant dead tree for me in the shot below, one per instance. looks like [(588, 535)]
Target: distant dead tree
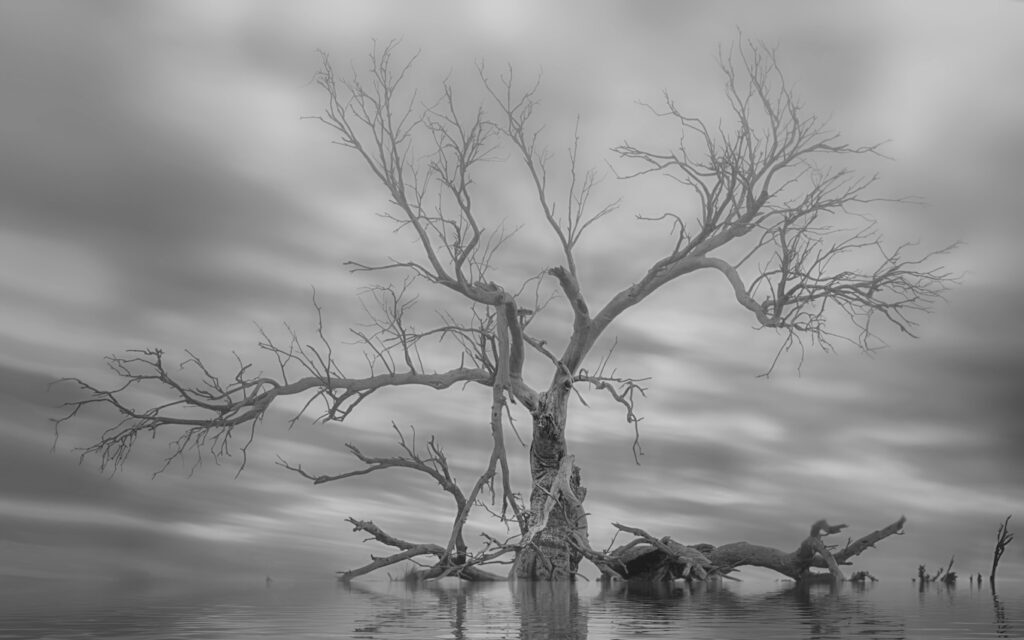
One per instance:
[(949, 577), (764, 200), (945, 574), (1003, 539), (862, 577)]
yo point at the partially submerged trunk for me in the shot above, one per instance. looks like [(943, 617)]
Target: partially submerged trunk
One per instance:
[(557, 535), (554, 529)]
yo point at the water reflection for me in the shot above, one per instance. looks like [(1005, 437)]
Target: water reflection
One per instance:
[(409, 606), (549, 610), (542, 611), (528, 611), (828, 610), (646, 609), (811, 611), (1003, 628)]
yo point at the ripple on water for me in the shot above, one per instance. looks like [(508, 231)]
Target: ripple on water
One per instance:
[(526, 611)]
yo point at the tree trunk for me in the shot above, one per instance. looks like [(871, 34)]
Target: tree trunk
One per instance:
[(557, 521)]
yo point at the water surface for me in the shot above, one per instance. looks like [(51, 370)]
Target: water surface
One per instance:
[(525, 611)]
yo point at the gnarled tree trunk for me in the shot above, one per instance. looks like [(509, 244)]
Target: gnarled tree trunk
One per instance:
[(551, 549)]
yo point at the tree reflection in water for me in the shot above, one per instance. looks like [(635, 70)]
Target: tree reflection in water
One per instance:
[(540, 610), (391, 611), (531, 611), (1003, 628), (545, 610), (826, 610), (550, 610), (811, 611)]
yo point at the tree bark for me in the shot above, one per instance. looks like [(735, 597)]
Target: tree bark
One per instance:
[(551, 549)]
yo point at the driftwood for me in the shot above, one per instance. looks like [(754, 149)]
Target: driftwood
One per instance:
[(658, 559)]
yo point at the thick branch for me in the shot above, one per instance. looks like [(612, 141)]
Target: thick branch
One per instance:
[(691, 559), (861, 545), (498, 458), (379, 563), (467, 570), (650, 557), (409, 549)]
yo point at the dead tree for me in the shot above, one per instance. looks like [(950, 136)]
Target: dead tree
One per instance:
[(949, 576), (946, 575), (1003, 539), (767, 204), (650, 558)]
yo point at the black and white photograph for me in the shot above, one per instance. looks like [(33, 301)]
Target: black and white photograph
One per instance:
[(511, 319)]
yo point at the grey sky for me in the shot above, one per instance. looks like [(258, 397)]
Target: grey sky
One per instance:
[(158, 188)]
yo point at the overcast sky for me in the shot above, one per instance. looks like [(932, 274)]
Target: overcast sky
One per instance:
[(158, 187)]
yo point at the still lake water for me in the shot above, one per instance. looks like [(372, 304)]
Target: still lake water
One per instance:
[(525, 611)]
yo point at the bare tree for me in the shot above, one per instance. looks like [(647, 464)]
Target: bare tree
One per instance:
[(779, 218), (1003, 540)]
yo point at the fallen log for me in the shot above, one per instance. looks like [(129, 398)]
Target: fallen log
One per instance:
[(658, 559)]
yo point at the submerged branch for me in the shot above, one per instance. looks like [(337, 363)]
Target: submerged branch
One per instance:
[(467, 569), (651, 558)]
